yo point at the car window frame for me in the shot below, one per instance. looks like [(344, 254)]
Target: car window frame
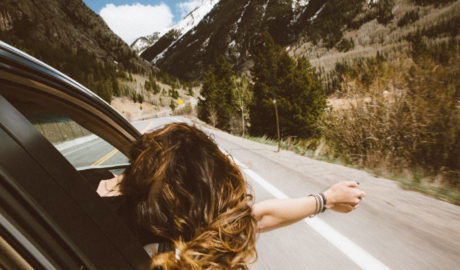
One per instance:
[(107, 236), (32, 78)]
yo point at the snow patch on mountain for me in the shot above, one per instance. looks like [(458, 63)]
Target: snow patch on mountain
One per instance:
[(317, 13), (195, 16), (189, 22), (300, 3), (140, 45), (265, 8), (242, 13)]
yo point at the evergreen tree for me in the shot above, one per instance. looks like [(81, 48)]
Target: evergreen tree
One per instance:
[(243, 95), (190, 91), (172, 105), (217, 93), (296, 87), (262, 114)]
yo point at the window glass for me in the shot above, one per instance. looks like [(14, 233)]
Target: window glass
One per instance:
[(79, 146)]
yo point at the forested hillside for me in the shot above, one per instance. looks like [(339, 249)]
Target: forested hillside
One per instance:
[(72, 38)]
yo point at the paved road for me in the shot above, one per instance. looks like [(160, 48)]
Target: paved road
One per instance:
[(392, 228)]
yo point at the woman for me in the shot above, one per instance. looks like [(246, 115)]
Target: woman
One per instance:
[(183, 193)]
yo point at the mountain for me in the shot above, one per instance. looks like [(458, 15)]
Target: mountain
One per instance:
[(312, 28), (142, 43), (39, 25), (158, 49)]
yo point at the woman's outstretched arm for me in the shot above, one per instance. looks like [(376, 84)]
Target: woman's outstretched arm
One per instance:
[(272, 214)]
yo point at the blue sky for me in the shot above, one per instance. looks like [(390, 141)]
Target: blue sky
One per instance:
[(131, 19)]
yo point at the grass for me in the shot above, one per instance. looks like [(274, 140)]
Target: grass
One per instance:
[(441, 193), (413, 181)]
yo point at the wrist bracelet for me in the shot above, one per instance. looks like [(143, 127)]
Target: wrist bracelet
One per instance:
[(320, 200), (324, 201), (316, 205)]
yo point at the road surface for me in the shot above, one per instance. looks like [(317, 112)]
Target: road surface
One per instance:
[(392, 228)]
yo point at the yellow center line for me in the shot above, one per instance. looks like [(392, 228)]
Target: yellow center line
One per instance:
[(114, 151), (105, 158), (147, 128)]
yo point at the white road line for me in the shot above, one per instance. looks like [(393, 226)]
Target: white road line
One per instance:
[(355, 253), (177, 119), (68, 144)]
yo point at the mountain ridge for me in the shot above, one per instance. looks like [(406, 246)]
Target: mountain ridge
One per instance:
[(232, 27)]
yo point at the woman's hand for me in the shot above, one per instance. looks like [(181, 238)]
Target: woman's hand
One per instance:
[(108, 188), (344, 196)]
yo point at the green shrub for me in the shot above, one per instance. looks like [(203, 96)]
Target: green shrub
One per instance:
[(345, 45)]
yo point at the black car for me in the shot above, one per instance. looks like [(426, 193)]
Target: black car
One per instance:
[(57, 140)]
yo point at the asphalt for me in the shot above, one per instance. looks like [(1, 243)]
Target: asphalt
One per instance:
[(392, 229)]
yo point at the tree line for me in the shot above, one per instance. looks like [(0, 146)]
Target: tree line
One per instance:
[(401, 117), (235, 103)]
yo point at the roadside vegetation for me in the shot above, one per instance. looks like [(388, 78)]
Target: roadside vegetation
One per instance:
[(400, 118), (404, 120)]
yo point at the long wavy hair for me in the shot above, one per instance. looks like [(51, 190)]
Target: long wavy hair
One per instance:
[(188, 192)]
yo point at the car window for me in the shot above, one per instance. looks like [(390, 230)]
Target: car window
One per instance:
[(79, 146)]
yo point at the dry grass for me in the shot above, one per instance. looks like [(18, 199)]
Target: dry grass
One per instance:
[(400, 122), (152, 105)]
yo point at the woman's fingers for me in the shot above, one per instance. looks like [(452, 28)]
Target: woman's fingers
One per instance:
[(351, 184), (343, 208), (345, 192)]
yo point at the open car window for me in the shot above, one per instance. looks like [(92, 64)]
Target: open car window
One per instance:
[(80, 147)]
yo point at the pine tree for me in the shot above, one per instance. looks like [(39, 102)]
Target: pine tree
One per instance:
[(243, 95), (262, 115), (217, 93), (172, 105), (294, 84)]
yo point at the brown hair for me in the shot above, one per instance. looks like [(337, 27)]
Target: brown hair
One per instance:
[(188, 192)]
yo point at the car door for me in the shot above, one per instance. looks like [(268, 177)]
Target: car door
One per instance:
[(50, 215)]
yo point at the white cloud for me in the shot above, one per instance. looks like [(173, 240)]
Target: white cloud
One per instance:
[(136, 20), (186, 7)]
